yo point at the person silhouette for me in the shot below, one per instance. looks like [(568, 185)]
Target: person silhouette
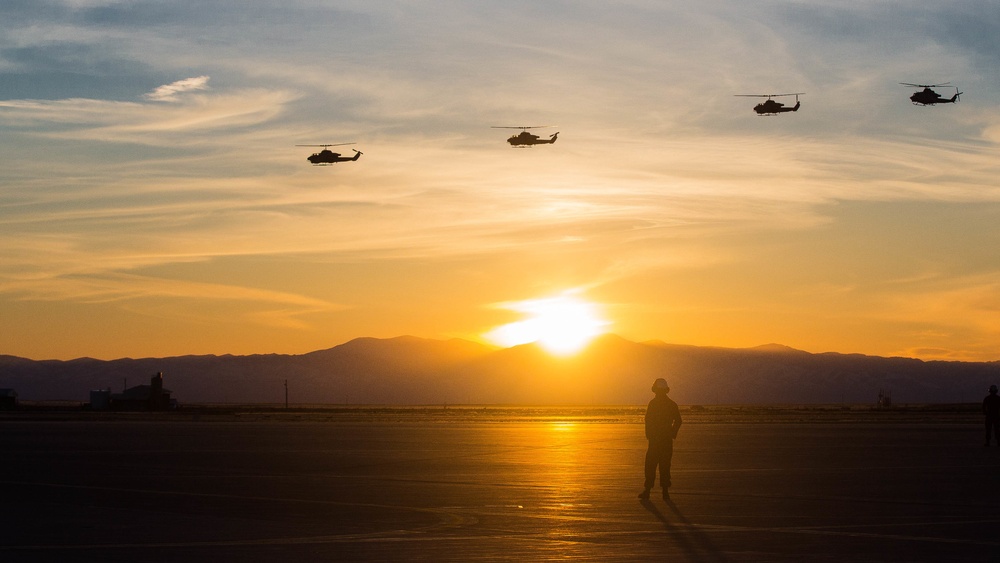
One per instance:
[(663, 420), (991, 410)]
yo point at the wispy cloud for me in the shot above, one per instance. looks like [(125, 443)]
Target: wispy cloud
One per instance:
[(171, 92), (146, 123), (160, 296), (962, 310)]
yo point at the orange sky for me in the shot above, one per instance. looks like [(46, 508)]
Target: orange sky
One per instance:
[(152, 201)]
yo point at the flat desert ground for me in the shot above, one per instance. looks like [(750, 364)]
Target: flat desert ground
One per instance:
[(474, 484)]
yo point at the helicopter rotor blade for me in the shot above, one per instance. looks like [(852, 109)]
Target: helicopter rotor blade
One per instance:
[(525, 127), (768, 95), (328, 145), (926, 85)]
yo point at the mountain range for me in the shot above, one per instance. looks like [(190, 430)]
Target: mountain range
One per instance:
[(414, 371)]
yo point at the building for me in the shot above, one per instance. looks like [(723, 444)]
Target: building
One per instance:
[(100, 399), (152, 397), (8, 399), (884, 399)]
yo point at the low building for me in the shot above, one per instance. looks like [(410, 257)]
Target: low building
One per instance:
[(100, 399), (152, 397), (8, 399)]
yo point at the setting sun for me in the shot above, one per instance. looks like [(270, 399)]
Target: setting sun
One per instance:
[(562, 324)]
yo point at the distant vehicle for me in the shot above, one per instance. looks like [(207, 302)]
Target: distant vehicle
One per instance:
[(326, 156), (771, 107), (525, 139), (928, 97)]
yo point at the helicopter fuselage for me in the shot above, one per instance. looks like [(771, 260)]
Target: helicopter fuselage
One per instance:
[(524, 138), (772, 107), (928, 97), (326, 156)]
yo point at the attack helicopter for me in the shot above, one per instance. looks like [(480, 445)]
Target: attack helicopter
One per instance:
[(928, 97), (771, 107), (326, 156), (525, 139)]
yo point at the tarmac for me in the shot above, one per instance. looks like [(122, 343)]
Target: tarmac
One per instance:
[(472, 488)]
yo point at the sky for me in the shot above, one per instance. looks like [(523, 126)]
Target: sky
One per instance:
[(153, 201)]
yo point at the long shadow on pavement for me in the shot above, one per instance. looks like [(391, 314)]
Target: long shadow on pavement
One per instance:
[(693, 542)]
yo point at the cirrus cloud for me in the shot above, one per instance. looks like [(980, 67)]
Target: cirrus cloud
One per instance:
[(169, 92)]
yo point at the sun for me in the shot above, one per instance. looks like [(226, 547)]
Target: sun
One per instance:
[(563, 324)]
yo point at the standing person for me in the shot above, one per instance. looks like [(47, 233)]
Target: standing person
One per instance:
[(991, 410), (663, 420)]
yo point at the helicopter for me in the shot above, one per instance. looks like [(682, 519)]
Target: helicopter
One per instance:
[(771, 107), (326, 157), (928, 97), (525, 139)]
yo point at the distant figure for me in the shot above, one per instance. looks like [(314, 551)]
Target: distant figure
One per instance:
[(663, 420), (991, 410)]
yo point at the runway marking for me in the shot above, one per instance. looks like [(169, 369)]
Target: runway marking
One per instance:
[(856, 500), (825, 530), (448, 519), (723, 528), (451, 518), (820, 532)]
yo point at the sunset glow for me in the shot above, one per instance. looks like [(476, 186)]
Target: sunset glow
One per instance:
[(563, 325), (154, 202)]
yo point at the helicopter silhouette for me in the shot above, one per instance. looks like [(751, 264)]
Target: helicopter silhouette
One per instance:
[(771, 107), (326, 157), (525, 139), (928, 97)]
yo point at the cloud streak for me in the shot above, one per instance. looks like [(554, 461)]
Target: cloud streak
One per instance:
[(131, 122), (171, 92)]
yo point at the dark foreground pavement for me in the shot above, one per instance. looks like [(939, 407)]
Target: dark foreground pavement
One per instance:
[(461, 489)]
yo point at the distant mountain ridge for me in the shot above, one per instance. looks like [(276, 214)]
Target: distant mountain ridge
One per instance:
[(409, 371)]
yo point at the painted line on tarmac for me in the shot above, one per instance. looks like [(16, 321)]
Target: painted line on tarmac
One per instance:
[(451, 519), (847, 534), (945, 522), (797, 530), (827, 530), (857, 500), (447, 519)]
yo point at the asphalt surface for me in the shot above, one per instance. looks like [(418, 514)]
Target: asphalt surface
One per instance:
[(462, 489)]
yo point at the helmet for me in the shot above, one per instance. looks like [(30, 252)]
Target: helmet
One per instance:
[(993, 389), (660, 385)]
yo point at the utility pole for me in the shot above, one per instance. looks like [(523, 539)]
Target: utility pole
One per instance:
[(286, 393)]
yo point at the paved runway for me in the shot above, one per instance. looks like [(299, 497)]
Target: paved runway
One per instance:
[(463, 489)]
